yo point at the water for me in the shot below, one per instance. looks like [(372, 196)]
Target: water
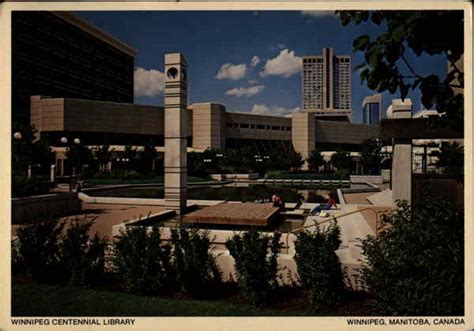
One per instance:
[(247, 193)]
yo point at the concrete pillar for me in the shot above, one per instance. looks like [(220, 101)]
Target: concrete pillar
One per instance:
[(175, 132), (208, 125), (303, 134), (402, 155)]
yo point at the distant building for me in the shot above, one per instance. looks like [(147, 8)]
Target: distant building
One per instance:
[(326, 85), (372, 109), (57, 54)]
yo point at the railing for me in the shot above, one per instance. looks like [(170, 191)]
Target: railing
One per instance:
[(377, 226)]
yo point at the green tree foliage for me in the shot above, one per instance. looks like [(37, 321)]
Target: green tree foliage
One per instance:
[(79, 156), (416, 267), (30, 151), (342, 160), (315, 160), (318, 265), (450, 158), (83, 256), (196, 268), (40, 250), (256, 265), (142, 262), (386, 66), (371, 156), (23, 186), (148, 156), (103, 154)]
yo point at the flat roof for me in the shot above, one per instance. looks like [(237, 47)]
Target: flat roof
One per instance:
[(95, 31)]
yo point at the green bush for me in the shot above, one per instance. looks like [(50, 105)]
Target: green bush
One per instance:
[(24, 186), (342, 174), (416, 266), (83, 257), (39, 249), (196, 268), (142, 262), (318, 265), (256, 265)]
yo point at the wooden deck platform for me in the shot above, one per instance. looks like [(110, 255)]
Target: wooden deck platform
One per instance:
[(248, 213)]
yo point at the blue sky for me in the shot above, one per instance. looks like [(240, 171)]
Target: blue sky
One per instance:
[(219, 47)]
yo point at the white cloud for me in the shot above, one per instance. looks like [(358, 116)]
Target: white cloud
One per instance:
[(262, 109), (285, 64), (245, 91), (148, 83), (254, 61), (252, 81), (318, 13), (232, 71)]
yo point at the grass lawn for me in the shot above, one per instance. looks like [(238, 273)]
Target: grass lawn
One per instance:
[(154, 180), (47, 300)]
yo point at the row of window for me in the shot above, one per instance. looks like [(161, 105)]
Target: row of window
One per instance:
[(258, 126)]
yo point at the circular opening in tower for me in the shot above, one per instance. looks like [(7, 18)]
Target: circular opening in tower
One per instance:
[(172, 73)]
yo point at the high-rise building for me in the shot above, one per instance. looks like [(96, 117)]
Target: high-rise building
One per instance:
[(326, 84), (58, 54), (372, 109)]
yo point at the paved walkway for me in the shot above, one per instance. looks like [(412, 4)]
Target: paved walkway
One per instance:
[(107, 215)]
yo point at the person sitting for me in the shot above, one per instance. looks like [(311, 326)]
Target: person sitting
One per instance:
[(277, 202), (331, 202), (300, 201)]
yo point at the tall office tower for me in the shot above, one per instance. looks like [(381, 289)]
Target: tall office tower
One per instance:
[(372, 108), (60, 55), (326, 85)]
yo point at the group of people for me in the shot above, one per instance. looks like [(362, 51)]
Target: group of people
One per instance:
[(278, 202)]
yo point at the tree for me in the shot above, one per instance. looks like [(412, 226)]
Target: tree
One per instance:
[(416, 266), (79, 155), (104, 156), (386, 66), (315, 160), (28, 151), (371, 156), (148, 155), (451, 158), (341, 160)]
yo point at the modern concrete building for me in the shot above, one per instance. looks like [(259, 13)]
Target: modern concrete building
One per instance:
[(326, 85), (73, 80), (60, 55), (209, 125), (372, 109)]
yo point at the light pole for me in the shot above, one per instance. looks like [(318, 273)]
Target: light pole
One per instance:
[(65, 141)]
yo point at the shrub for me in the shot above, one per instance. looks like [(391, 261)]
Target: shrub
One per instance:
[(142, 262), (196, 268), (24, 186), (83, 257), (40, 250), (416, 266), (318, 265), (256, 265)]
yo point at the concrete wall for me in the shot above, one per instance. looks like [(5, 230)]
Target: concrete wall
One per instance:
[(260, 127), (208, 123), (343, 133), (57, 114), (43, 206), (303, 133)]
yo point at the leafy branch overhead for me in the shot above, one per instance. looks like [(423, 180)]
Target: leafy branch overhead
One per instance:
[(429, 32)]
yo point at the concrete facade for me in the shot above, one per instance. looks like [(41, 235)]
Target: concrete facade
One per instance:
[(208, 123), (303, 134), (176, 116), (402, 155)]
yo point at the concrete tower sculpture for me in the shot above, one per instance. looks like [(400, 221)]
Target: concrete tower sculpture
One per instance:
[(175, 132)]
